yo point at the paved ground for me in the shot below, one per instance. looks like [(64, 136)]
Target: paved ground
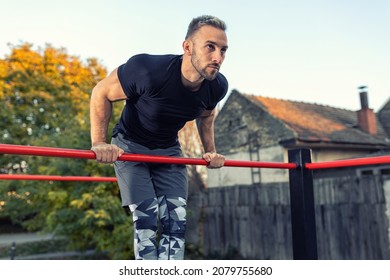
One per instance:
[(7, 239)]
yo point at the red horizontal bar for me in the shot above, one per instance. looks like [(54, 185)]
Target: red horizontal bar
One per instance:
[(349, 162), (56, 178), (88, 154)]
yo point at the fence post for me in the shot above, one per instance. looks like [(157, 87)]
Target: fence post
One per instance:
[(304, 236), (13, 251)]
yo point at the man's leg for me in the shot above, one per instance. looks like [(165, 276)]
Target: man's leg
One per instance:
[(145, 217), (172, 214)]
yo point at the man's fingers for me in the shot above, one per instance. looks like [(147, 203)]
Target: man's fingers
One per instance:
[(215, 160), (107, 153)]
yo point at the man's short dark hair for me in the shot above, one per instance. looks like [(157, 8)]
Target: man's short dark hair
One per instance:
[(200, 21)]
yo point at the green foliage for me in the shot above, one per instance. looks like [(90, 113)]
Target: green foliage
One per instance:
[(44, 97)]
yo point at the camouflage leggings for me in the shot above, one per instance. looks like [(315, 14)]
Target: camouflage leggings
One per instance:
[(171, 213)]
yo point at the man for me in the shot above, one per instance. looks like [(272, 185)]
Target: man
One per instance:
[(162, 93)]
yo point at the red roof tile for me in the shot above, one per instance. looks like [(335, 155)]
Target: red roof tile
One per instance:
[(314, 122)]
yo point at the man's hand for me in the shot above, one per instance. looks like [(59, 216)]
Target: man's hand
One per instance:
[(215, 160), (106, 153)]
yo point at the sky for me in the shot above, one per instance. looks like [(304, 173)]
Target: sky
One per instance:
[(315, 51)]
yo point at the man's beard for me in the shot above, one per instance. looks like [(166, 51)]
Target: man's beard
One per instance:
[(202, 71)]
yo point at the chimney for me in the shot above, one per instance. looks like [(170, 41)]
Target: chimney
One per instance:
[(366, 116)]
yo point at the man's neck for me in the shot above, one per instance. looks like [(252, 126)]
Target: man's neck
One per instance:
[(192, 86), (189, 77)]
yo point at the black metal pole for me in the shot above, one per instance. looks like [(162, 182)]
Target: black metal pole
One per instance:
[(304, 235), (13, 251)]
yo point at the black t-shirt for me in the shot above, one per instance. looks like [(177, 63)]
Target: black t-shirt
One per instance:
[(158, 105)]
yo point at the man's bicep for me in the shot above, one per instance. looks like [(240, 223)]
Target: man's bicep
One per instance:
[(207, 113), (111, 87), (206, 119)]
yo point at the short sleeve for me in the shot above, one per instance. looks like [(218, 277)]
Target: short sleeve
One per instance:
[(219, 89), (133, 76)]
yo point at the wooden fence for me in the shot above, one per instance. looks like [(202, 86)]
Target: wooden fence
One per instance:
[(254, 222)]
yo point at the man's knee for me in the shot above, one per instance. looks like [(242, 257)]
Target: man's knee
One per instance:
[(173, 216), (145, 219), (145, 214)]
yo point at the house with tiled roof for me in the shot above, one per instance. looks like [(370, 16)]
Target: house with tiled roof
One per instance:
[(384, 117), (251, 127)]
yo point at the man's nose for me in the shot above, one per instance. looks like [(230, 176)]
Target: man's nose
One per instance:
[(217, 58)]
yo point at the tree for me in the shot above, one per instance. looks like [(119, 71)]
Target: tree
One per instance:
[(44, 95)]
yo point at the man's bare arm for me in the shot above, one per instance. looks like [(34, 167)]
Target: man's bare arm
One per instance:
[(104, 93), (205, 124)]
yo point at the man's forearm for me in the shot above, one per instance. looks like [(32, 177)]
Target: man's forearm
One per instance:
[(206, 133), (100, 115)]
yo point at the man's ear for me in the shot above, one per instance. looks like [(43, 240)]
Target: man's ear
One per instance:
[(187, 47)]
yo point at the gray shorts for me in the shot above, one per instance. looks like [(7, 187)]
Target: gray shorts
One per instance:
[(139, 181)]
